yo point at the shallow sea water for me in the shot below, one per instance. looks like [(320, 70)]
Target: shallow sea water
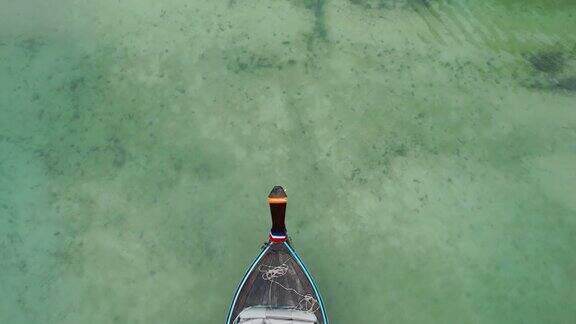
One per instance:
[(428, 148)]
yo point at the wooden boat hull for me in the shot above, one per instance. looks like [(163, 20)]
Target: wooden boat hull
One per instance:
[(277, 279)]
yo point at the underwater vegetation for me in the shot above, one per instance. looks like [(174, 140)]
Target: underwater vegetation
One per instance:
[(548, 61), (388, 4), (568, 84), (316, 8), (243, 60), (552, 70)]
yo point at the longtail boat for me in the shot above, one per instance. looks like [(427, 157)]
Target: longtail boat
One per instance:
[(277, 288)]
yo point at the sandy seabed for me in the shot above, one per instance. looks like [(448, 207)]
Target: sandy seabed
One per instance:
[(428, 148)]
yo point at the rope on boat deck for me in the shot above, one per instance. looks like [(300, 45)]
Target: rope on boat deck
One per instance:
[(269, 273)]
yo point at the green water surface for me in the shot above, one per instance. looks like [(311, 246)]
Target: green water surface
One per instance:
[(428, 148)]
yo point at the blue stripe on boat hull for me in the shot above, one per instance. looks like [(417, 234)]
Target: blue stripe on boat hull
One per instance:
[(230, 309), (316, 291)]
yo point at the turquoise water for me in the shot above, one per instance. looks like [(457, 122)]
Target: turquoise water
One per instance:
[(428, 148)]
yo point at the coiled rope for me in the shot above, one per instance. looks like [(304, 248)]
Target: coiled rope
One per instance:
[(307, 302)]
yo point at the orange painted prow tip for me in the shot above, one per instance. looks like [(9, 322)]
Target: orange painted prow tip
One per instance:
[(277, 200)]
